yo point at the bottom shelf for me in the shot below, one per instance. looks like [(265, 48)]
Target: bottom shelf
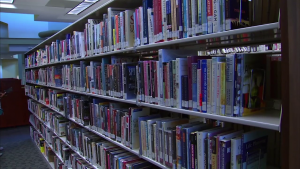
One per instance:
[(51, 164)]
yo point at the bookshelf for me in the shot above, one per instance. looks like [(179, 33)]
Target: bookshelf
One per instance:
[(269, 120), (274, 120)]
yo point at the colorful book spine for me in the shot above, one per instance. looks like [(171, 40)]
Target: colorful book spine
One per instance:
[(204, 85)]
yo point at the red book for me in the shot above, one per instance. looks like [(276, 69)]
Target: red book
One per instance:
[(160, 39), (108, 122)]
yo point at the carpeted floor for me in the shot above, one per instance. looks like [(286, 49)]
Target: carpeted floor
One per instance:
[(20, 152)]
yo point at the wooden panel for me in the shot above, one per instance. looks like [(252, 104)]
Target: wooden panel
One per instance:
[(13, 104), (290, 20)]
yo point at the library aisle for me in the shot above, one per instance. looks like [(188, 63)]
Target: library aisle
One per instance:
[(20, 152)]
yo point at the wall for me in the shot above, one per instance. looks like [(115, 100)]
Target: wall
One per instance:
[(10, 68), (24, 26), (57, 25)]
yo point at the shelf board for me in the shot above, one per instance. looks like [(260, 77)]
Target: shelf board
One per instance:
[(270, 119)]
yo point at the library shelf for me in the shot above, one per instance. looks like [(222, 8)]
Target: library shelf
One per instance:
[(97, 9), (57, 155), (171, 42), (136, 152), (62, 138), (270, 119)]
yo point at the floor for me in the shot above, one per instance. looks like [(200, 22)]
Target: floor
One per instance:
[(20, 152)]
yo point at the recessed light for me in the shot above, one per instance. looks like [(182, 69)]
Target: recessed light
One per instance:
[(7, 1), (7, 6)]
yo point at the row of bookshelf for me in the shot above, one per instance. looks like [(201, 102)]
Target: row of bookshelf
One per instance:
[(274, 49), (62, 138), (52, 164), (135, 152), (164, 156), (231, 85), (270, 119)]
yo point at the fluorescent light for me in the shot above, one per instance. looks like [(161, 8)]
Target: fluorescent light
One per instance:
[(7, 1), (92, 1), (7, 6), (81, 7)]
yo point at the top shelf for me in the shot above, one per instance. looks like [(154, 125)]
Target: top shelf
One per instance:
[(79, 24), (94, 14)]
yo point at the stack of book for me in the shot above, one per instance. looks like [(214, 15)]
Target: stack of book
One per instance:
[(231, 85), (154, 22)]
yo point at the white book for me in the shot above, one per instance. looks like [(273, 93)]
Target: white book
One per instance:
[(129, 28), (235, 152), (216, 16)]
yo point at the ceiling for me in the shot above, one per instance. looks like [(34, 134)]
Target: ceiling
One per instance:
[(50, 10)]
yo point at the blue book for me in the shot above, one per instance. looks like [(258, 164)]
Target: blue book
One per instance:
[(58, 50), (146, 4), (58, 76), (68, 37), (103, 64), (204, 85), (254, 149)]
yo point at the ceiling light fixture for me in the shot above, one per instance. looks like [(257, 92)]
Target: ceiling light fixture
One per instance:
[(7, 1), (81, 7), (7, 6)]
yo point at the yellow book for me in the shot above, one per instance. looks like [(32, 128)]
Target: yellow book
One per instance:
[(114, 36)]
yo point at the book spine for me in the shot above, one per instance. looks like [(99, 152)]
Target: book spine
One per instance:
[(171, 84), (214, 88), (204, 16), (199, 101), (230, 63), (141, 25), (145, 21), (189, 18), (238, 108), (209, 86), (218, 89), (194, 86), (216, 15), (189, 88), (160, 21), (204, 85), (164, 20), (185, 18), (209, 16), (222, 89), (184, 149)]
